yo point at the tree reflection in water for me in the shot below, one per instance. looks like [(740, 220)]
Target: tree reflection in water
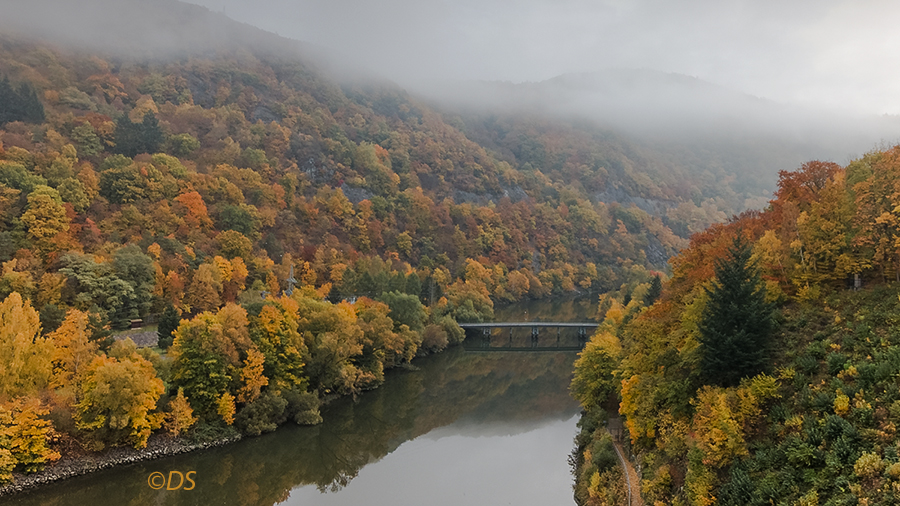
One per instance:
[(511, 391)]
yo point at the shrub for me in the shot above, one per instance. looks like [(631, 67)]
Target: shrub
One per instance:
[(303, 408), (868, 466), (434, 339), (264, 414)]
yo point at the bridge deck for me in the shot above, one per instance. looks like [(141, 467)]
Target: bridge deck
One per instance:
[(524, 348), (492, 325)]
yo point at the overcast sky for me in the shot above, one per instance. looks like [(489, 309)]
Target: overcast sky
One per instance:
[(842, 54)]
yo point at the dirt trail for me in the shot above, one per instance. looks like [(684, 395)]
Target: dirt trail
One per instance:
[(632, 481)]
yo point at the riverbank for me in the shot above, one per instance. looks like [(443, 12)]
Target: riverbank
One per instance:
[(158, 446), (500, 428), (604, 473), (78, 462)]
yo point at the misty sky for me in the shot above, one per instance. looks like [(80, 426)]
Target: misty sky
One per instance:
[(820, 52)]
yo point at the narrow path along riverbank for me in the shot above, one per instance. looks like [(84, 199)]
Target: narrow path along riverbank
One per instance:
[(632, 480)]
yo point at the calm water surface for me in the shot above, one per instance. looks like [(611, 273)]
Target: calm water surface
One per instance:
[(465, 428)]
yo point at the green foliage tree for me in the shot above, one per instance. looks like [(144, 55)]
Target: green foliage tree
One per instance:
[(334, 340), (208, 354), (121, 288), (120, 180), (406, 310), (135, 268), (86, 140), (241, 219), (15, 175), (594, 381), (262, 415), (737, 322), (72, 190), (182, 145)]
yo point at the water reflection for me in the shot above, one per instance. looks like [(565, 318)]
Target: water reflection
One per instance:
[(472, 397), (465, 428)]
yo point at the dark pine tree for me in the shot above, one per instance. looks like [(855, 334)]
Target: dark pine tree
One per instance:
[(654, 292), (736, 325), (413, 285), (135, 138), (168, 322), (151, 134), (7, 101), (127, 137), (31, 107), (19, 105), (334, 295)]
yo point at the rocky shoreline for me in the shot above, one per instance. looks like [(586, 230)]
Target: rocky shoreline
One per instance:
[(69, 467)]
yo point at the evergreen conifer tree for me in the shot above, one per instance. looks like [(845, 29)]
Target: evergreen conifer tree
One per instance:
[(654, 292), (135, 138), (736, 325), (7, 101), (19, 105), (168, 322), (334, 295), (32, 109)]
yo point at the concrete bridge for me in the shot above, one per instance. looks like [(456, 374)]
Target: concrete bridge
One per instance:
[(535, 327)]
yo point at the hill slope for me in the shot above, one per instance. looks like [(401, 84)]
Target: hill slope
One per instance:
[(261, 141), (816, 423)]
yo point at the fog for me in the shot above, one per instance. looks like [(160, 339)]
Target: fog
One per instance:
[(813, 77), (825, 53)]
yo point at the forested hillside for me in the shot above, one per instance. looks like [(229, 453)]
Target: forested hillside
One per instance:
[(728, 144), (186, 184), (766, 372)]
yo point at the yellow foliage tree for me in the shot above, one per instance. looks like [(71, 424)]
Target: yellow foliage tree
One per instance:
[(73, 351), (24, 437), (252, 376), (45, 218), (25, 357), (118, 399), (180, 416), (225, 407)]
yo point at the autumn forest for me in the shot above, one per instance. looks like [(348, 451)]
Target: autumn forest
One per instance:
[(288, 233)]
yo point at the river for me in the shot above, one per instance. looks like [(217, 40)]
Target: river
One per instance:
[(463, 427)]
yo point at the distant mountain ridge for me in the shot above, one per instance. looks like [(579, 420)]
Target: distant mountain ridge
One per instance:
[(701, 124)]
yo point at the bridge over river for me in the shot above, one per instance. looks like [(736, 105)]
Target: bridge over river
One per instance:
[(536, 326)]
